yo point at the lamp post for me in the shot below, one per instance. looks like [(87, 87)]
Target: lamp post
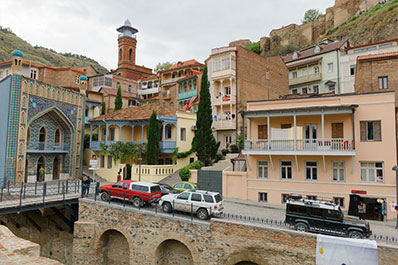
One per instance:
[(395, 168), (140, 149)]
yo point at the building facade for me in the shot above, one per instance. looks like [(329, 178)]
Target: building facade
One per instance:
[(237, 75), (338, 148), (316, 70), (348, 60), (43, 128), (188, 89)]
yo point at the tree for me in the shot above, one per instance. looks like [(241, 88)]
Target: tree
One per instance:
[(162, 66), (254, 47), (204, 143), (118, 99), (310, 15), (153, 147), (103, 108)]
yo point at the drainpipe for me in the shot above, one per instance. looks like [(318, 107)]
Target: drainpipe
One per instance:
[(237, 93), (338, 71)]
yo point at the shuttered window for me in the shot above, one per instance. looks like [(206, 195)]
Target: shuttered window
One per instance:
[(337, 130), (262, 132), (370, 130)]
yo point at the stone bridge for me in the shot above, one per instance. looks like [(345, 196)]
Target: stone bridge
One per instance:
[(111, 234)]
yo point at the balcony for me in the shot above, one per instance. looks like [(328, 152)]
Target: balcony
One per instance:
[(334, 147), (168, 146), (305, 79), (224, 100), (152, 173), (170, 81), (146, 91), (47, 147), (187, 94), (86, 119), (224, 125), (165, 146)]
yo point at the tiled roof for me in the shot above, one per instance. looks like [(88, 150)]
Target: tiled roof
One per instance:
[(194, 73), (310, 52), (377, 56), (150, 77), (304, 63), (113, 92), (93, 101), (137, 113), (371, 44), (184, 64)]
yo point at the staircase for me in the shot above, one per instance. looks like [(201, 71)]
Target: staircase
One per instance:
[(222, 164)]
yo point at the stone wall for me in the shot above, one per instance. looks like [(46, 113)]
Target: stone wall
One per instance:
[(160, 239)]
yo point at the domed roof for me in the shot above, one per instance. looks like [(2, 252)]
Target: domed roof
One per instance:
[(127, 22), (83, 77), (17, 53)]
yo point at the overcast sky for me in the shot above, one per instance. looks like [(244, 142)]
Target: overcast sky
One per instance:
[(173, 30)]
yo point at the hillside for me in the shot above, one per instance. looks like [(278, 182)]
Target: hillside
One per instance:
[(379, 23), (40, 55)]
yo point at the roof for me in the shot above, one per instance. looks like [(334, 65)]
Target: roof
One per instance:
[(310, 52), (113, 92), (370, 44), (137, 113), (184, 64), (150, 77), (17, 53), (83, 77), (312, 108), (378, 56), (93, 101), (194, 73), (304, 63)]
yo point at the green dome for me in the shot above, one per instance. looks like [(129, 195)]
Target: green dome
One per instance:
[(17, 53)]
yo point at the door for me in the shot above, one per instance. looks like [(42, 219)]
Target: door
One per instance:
[(210, 180), (116, 189), (56, 168), (310, 136), (41, 173), (337, 135), (196, 201), (42, 138), (316, 221), (182, 201), (353, 207), (333, 222)]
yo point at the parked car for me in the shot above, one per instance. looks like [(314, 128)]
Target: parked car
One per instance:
[(166, 189), (138, 193), (184, 186), (203, 203), (323, 217)]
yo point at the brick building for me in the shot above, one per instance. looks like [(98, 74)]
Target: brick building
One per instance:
[(237, 75)]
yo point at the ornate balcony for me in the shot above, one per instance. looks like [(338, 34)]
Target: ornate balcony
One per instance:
[(47, 147)]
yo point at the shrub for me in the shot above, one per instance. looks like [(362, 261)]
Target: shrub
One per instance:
[(234, 148), (224, 152), (185, 174), (254, 47), (219, 157)]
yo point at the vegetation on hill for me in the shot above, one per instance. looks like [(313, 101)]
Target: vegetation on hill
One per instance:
[(310, 15), (254, 47), (40, 55), (379, 23)]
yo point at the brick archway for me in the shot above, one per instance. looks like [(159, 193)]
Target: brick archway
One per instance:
[(253, 256), (113, 247), (172, 251)]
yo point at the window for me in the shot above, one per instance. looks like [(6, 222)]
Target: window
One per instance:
[(129, 89), (77, 80), (262, 171), (267, 75), (372, 171), (332, 214), (179, 186), (286, 169), (168, 132), (383, 82), (317, 212), (227, 91), (315, 89), (284, 197), (168, 161), (316, 69), (311, 170), (262, 132), (183, 196), (337, 130), (385, 45), (338, 170), (125, 185), (370, 130), (286, 126), (228, 139), (102, 161), (294, 75), (187, 186), (332, 87), (294, 91), (330, 67), (208, 198), (191, 160), (262, 197), (317, 49), (196, 197), (33, 74), (109, 161), (305, 90), (339, 201), (130, 54), (112, 134), (183, 136), (312, 197), (353, 70)]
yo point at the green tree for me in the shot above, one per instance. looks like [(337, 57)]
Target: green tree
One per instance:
[(204, 143), (103, 108), (254, 47), (162, 66), (310, 15), (118, 99), (153, 147)]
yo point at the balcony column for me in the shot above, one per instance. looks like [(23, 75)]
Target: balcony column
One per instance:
[(91, 133), (106, 134), (230, 97), (295, 131), (132, 133), (323, 128), (142, 133), (120, 133), (164, 131), (268, 131), (249, 129), (175, 126), (221, 92)]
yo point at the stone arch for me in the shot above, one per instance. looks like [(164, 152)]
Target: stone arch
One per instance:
[(172, 251), (113, 247), (252, 256), (246, 263), (58, 113)]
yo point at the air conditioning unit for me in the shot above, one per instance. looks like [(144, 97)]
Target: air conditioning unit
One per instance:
[(193, 128)]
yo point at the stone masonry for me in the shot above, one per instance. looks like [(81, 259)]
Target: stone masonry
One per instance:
[(160, 239)]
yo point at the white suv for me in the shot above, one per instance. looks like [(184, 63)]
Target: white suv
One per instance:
[(204, 203)]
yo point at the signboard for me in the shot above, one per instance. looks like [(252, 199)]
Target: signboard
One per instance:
[(339, 250), (93, 164), (359, 191)]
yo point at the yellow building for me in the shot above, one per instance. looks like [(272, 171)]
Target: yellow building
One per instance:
[(130, 125)]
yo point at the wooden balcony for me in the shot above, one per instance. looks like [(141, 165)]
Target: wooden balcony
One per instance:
[(305, 79)]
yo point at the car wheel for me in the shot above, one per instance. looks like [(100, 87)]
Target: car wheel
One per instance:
[(166, 207), (105, 196), (301, 227), (202, 214), (137, 202), (355, 234)]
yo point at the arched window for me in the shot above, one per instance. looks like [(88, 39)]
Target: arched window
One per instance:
[(28, 137), (41, 173), (120, 54), (130, 54), (42, 138), (57, 138)]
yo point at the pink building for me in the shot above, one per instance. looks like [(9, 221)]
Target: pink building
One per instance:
[(340, 148)]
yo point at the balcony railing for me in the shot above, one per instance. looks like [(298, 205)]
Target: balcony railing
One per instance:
[(168, 145), (171, 80), (146, 91), (47, 146), (335, 144), (187, 94), (95, 145), (224, 124), (223, 100), (305, 79)]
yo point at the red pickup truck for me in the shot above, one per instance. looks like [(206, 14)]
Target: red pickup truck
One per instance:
[(138, 193)]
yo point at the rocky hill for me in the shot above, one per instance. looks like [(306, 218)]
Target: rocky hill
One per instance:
[(40, 55)]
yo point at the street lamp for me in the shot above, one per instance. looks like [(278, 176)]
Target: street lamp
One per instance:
[(140, 149), (395, 168)]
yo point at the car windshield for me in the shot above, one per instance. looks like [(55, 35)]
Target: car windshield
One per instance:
[(218, 197)]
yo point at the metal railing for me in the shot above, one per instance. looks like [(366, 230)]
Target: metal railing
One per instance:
[(47, 146), (331, 144)]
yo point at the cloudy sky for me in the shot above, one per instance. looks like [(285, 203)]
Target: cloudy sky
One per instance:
[(173, 30)]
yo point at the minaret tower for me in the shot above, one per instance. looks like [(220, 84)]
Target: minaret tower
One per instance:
[(127, 42), (16, 66)]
